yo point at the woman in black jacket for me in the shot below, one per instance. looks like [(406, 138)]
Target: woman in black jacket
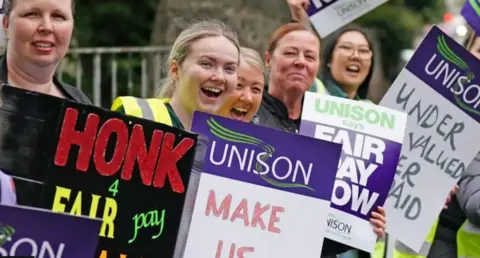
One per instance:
[(38, 36)]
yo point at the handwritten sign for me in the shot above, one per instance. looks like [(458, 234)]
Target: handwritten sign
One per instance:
[(438, 88), (263, 192), (329, 15), (40, 233), (371, 138), (471, 13), (131, 173)]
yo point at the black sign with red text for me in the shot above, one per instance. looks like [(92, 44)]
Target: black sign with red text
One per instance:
[(131, 173)]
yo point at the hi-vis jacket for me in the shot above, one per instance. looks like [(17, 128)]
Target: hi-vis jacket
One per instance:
[(153, 109)]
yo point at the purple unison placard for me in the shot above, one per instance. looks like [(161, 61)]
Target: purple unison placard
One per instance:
[(26, 231), (268, 157), (449, 69), (471, 13), (318, 5), (379, 181)]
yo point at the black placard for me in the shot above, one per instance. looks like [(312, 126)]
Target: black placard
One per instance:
[(138, 168)]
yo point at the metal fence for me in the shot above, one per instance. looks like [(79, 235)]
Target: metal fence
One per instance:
[(104, 73)]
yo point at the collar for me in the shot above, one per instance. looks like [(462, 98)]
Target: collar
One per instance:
[(274, 105), (4, 77), (277, 108), (336, 90)]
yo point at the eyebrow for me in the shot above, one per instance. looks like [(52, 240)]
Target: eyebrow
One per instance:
[(215, 60), (351, 43)]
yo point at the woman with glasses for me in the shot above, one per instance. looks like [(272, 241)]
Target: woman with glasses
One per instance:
[(347, 63), (347, 68)]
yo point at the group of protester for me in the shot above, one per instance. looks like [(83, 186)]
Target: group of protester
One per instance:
[(209, 71)]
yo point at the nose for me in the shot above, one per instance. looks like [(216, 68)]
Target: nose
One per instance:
[(355, 53), (45, 25), (219, 75), (246, 96), (300, 61)]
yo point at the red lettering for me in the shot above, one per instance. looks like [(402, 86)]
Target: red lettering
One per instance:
[(224, 206), (69, 136), (241, 212), (167, 163), (127, 150), (239, 251), (257, 215), (137, 150), (112, 126)]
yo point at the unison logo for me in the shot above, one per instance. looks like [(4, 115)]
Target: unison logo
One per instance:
[(250, 155), (6, 233), (475, 5), (460, 89)]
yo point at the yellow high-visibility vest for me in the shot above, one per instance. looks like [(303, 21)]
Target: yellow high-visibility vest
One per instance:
[(153, 109)]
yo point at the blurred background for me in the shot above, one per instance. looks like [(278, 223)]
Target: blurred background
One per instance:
[(119, 46)]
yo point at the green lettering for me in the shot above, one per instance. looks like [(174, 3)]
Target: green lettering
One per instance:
[(146, 220), (355, 112)]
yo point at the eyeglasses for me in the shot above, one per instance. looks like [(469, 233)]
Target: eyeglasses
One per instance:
[(349, 50)]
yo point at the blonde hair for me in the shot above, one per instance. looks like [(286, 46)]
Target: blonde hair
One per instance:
[(199, 29), (252, 57)]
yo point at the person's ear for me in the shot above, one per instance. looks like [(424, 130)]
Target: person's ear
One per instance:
[(174, 70)]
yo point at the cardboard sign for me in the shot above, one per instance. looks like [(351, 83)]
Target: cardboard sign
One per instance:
[(131, 173), (371, 138), (438, 88), (28, 122), (263, 192), (329, 15), (471, 13), (43, 234)]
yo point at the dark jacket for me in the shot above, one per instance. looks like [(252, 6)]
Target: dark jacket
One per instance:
[(26, 133), (465, 204), (274, 114)]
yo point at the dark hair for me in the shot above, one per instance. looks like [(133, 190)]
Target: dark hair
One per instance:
[(283, 30), (8, 5), (327, 54)]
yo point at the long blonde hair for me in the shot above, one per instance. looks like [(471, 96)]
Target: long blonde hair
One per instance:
[(199, 29), (252, 58)]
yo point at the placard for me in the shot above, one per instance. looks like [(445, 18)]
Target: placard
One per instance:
[(28, 120), (329, 15), (471, 13), (39, 233), (371, 138), (263, 192), (438, 88), (131, 173)]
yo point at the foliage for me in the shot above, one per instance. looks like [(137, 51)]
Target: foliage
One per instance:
[(130, 23), (396, 24)]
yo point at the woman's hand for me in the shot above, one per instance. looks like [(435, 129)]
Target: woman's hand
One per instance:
[(298, 9), (379, 221), (449, 198)]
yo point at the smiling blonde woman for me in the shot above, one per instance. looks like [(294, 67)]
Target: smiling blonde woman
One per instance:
[(245, 101)]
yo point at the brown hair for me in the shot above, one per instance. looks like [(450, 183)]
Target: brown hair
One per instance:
[(283, 30), (8, 6), (197, 30)]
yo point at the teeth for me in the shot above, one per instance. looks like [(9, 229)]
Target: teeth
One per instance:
[(353, 68), (43, 44), (214, 90), (243, 110)]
